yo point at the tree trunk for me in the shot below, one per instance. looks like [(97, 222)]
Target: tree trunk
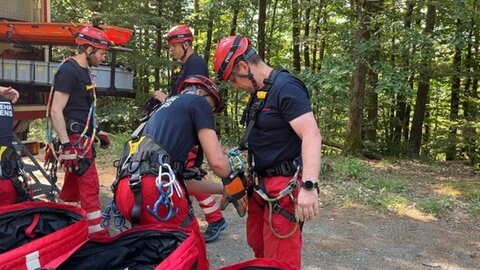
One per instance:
[(296, 36), (401, 104), (423, 85), (158, 46), (306, 35), (373, 8), (262, 17), (316, 38), (471, 94), (208, 43), (272, 27), (451, 150), (355, 108), (233, 26)]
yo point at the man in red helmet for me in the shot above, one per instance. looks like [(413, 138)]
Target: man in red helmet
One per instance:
[(180, 40), (73, 118), (284, 143), (150, 193), (12, 190)]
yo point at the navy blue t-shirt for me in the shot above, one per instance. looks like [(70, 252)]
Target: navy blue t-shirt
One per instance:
[(6, 121), (195, 65), (73, 79), (176, 123), (272, 139)]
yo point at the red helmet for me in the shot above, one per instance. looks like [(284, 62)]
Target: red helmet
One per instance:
[(94, 37), (178, 34), (226, 54), (199, 81)]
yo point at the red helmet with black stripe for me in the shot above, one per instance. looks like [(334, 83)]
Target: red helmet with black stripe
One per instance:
[(228, 50), (199, 81), (94, 37), (179, 34)]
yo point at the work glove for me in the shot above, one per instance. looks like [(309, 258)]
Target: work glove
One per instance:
[(68, 158), (194, 173), (50, 154), (235, 192), (104, 139)]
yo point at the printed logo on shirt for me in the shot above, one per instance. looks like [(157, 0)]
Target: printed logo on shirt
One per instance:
[(168, 102), (6, 109)]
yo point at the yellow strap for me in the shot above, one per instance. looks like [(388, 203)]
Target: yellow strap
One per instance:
[(261, 94), (134, 145), (2, 149)]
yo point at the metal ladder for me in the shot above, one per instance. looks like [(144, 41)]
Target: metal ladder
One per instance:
[(38, 188)]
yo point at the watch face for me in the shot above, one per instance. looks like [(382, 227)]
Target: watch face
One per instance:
[(308, 185)]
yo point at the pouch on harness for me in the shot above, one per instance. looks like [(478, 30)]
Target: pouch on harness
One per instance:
[(10, 169), (143, 156)]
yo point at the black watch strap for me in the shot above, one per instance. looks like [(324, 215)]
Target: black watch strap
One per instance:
[(309, 185)]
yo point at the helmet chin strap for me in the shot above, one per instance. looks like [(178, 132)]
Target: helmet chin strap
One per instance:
[(249, 76), (89, 56), (185, 49)]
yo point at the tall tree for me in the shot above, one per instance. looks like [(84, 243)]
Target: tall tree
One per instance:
[(450, 152), (373, 10), (296, 35), (401, 115), (262, 17), (357, 97), (158, 43), (423, 80), (306, 34)]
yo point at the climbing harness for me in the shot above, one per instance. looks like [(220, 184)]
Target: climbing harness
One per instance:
[(274, 206), (143, 156), (87, 136), (255, 105)]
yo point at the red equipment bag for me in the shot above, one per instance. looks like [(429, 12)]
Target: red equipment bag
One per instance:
[(39, 235), (259, 264), (155, 246)]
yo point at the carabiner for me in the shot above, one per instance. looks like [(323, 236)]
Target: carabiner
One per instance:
[(164, 199)]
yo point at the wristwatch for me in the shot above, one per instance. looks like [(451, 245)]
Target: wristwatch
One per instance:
[(309, 185)]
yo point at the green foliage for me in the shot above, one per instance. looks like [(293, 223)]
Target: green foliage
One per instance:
[(435, 206), (118, 115), (386, 184), (388, 202), (352, 169), (105, 157), (37, 130), (404, 52)]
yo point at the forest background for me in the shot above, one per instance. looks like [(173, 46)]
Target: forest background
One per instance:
[(397, 78)]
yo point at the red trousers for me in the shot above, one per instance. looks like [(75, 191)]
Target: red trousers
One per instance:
[(8, 194), (259, 235), (85, 189), (125, 200)]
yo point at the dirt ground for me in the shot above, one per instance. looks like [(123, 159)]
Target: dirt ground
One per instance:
[(356, 238)]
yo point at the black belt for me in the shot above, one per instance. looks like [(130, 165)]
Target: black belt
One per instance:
[(286, 168), (74, 127)]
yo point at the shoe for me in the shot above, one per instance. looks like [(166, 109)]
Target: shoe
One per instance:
[(213, 230)]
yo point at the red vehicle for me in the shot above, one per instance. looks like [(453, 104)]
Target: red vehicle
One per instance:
[(27, 38)]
